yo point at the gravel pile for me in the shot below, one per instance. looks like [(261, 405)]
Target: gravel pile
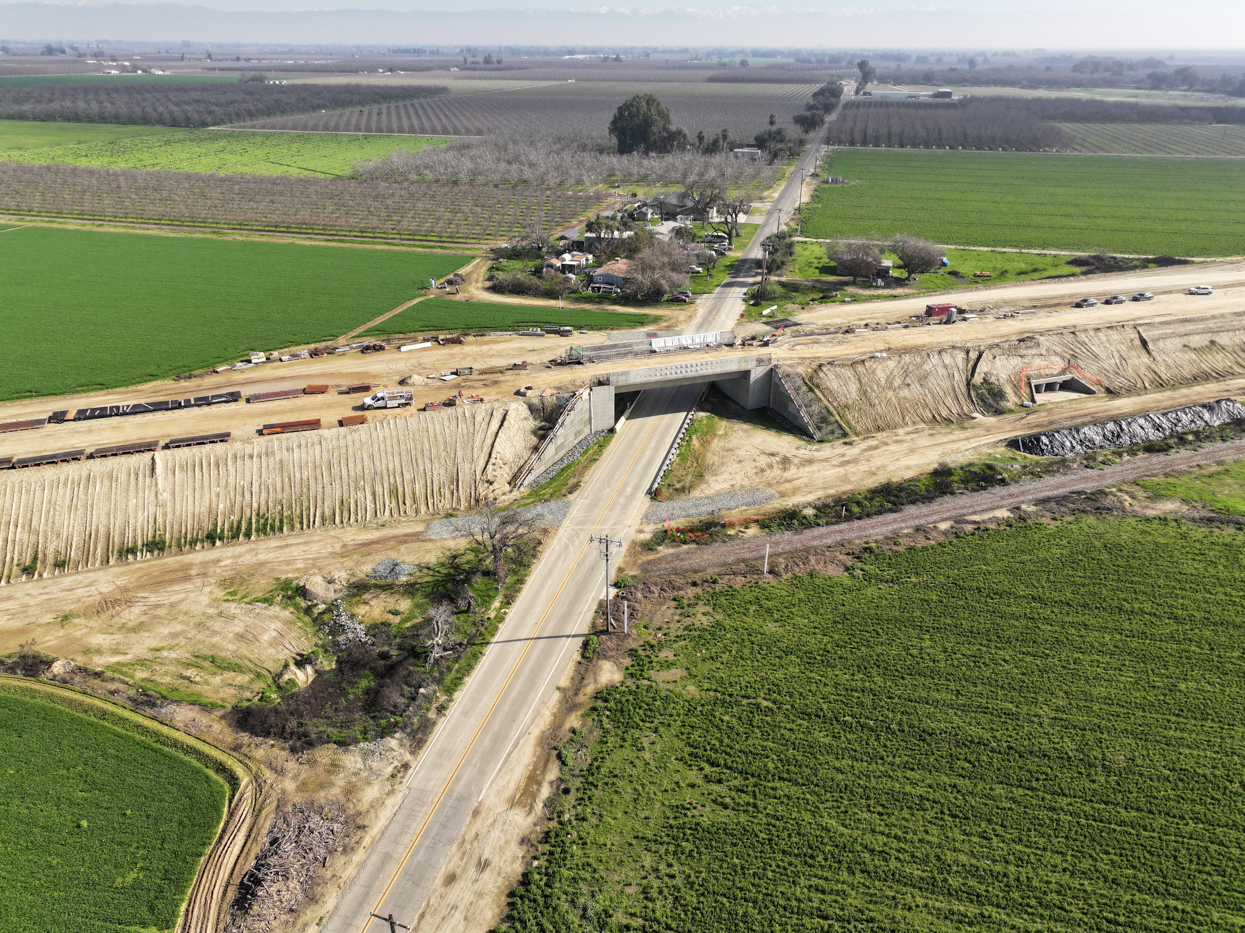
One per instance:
[(545, 515), (345, 629), (390, 571), (569, 457), (708, 505)]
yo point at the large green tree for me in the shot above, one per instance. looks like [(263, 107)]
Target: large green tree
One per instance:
[(641, 124)]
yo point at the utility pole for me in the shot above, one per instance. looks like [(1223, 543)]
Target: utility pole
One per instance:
[(606, 543), (393, 924)]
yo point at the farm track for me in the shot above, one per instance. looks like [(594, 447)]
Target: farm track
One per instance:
[(205, 905), (84, 515), (952, 508)]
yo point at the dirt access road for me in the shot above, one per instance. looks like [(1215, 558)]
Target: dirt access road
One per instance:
[(717, 556)]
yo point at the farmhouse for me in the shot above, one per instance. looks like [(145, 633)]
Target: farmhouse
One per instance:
[(612, 273)]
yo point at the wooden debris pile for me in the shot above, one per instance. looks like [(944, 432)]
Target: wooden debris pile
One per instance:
[(298, 845)]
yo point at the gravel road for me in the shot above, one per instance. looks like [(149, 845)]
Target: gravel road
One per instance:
[(708, 505), (692, 559)]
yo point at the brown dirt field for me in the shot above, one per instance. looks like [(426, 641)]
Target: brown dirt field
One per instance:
[(799, 471), (165, 611)]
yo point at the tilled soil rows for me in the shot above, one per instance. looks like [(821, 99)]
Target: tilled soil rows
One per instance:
[(81, 515)]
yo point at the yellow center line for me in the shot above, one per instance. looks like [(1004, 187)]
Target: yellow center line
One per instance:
[(500, 693)]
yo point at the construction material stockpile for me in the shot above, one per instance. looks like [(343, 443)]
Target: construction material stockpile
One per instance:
[(83, 515), (1127, 432)]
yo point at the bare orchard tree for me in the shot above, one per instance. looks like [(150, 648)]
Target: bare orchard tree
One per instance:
[(916, 255), (857, 258), (532, 238), (440, 643), (499, 533)]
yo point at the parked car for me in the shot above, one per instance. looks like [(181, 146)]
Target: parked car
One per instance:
[(1114, 300), (1086, 303), (1201, 290), (695, 270), (1143, 296), (599, 288), (684, 292), (683, 298)]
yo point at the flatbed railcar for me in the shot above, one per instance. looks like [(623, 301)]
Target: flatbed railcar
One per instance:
[(63, 456), (274, 396), (291, 427), (118, 450), (197, 440), (30, 424)]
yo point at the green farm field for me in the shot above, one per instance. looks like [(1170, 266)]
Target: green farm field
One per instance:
[(1220, 489), (18, 135), (1134, 205), (101, 830), (222, 152), (446, 314), (1018, 729), (93, 309)]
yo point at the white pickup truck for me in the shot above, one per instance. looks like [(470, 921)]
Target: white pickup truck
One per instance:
[(388, 398)]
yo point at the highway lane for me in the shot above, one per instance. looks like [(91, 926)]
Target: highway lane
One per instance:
[(521, 670)]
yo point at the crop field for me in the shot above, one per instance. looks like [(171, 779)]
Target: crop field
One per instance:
[(17, 135), (571, 110), (1222, 141), (1141, 206), (100, 830), (226, 153), (413, 212), (95, 310), (83, 515), (445, 315), (935, 124), (1012, 730)]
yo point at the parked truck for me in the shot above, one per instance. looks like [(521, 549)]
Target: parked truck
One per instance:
[(388, 398)]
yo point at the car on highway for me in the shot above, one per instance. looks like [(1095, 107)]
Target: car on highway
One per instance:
[(1142, 296), (1114, 300), (1201, 290), (1085, 303)]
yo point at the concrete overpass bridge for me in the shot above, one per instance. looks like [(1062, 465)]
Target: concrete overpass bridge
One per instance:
[(751, 380)]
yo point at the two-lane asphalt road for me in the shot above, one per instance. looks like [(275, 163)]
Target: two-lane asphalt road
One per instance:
[(518, 676)]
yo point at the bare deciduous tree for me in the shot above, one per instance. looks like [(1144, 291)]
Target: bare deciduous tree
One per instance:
[(657, 270), (499, 533), (857, 258), (916, 255)]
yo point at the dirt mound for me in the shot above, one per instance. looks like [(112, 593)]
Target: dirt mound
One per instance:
[(76, 516), (953, 384)]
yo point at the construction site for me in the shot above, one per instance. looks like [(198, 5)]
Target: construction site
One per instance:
[(129, 517)]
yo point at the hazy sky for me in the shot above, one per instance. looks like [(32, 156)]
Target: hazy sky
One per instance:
[(1150, 25)]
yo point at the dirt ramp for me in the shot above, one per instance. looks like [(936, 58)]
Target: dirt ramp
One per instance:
[(81, 515)]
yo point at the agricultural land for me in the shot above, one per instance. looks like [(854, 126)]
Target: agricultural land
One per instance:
[(1139, 206), (21, 135), (213, 152), (919, 742), (101, 309), (103, 829)]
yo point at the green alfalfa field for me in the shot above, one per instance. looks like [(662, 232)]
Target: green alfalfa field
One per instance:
[(1028, 728), (89, 309), (101, 829), (1142, 206)]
